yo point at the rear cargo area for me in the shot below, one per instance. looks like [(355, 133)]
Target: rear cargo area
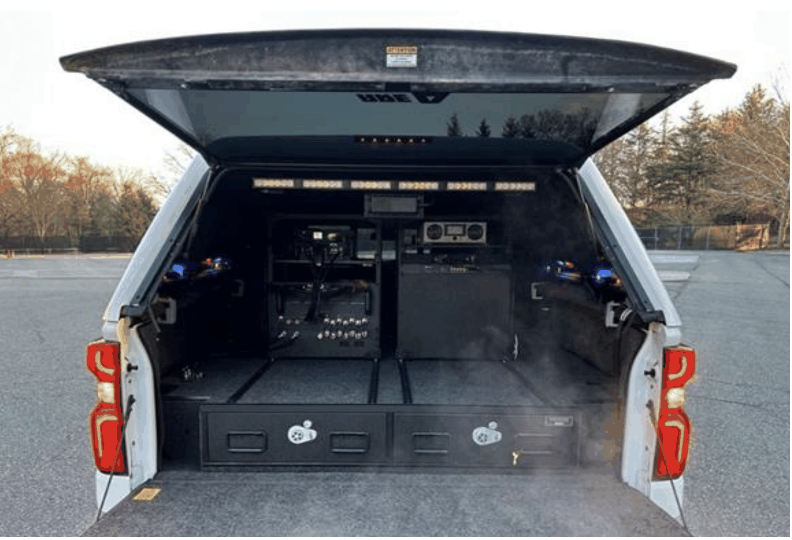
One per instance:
[(410, 331)]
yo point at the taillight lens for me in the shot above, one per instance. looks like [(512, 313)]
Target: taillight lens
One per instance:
[(104, 361), (673, 425)]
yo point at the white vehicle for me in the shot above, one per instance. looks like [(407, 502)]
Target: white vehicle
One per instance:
[(393, 255)]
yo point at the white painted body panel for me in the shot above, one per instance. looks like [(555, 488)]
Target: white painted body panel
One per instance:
[(640, 438), (141, 430), (599, 195), (119, 488), (150, 252)]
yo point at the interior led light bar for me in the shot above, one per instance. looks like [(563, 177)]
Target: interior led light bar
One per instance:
[(466, 186), (323, 184), (370, 184), (515, 186), (263, 183), (419, 186), (388, 185)]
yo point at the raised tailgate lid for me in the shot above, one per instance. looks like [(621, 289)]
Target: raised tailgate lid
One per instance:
[(415, 96)]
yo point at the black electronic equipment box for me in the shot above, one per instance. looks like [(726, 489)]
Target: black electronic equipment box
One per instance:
[(340, 320), (455, 312), (455, 293), (323, 289)]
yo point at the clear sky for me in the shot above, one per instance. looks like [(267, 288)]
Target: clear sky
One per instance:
[(67, 112)]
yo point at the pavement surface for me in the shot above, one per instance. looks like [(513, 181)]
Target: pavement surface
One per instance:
[(735, 313), (49, 309), (735, 307)]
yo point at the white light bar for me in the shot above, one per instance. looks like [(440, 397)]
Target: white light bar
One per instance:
[(323, 184), (370, 184), (515, 186), (419, 186), (466, 186), (273, 183)]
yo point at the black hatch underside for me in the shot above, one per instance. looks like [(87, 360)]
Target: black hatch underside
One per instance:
[(408, 96)]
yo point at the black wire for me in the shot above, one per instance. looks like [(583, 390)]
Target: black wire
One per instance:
[(320, 276), (627, 322), (130, 402)]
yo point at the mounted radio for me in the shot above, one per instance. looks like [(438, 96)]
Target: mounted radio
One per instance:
[(447, 232)]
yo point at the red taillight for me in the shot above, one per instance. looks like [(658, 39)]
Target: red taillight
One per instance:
[(673, 425), (104, 361)]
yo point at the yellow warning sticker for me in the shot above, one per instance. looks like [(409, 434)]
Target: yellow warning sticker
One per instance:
[(401, 50), (401, 56)]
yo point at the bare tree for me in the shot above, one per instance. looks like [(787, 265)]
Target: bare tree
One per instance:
[(781, 84), (8, 140), (175, 164), (85, 183), (755, 152), (10, 207), (37, 179)]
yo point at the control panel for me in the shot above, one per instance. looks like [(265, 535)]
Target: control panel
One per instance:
[(446, 232), (323, 292), (344, 325)]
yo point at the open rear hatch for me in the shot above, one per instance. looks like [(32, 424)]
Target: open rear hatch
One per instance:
[(429, 96)]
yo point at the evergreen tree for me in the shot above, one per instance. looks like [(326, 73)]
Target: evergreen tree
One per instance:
[(682, 182), (664, 133), (511, 128), (134, 211), (609, 161), (638, 159), (483, 129), (454, 128)]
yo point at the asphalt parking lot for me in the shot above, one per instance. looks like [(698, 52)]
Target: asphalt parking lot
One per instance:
[(735, 308)]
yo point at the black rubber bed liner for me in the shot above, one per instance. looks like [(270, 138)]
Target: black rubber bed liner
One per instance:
[(387, 504), (557, 379)]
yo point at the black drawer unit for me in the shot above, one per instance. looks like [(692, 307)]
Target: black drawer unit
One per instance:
[(383, 435), (486, 439), (296, 435)]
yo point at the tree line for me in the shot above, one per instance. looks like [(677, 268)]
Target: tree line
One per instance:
[(50, 194), (724, 169), (732, 167)]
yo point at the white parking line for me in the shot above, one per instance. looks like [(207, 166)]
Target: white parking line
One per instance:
[(670, 275), (673, 259)]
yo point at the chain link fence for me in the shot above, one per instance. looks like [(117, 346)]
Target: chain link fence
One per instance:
[(703, 237), (66, 244), (698, 237)]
